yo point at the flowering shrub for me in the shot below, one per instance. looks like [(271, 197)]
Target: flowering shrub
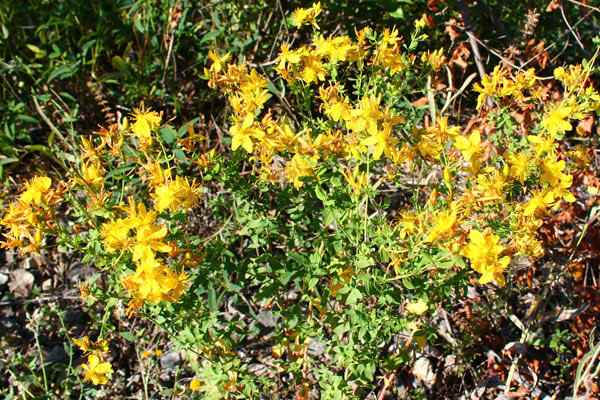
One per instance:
[(343, 209)]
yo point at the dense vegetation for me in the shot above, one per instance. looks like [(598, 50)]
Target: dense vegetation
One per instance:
[(338, 200)]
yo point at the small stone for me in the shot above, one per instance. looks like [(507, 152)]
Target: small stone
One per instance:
[(171, 360), (267, 319), (47, 285), (57, 354), (21, 282), (316, 348), (423, 370)]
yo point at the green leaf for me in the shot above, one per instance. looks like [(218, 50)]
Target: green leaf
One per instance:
[(119, 64), (354, 296), (63, 72), (212, 299), (128, 336), (321, 195), (168, 134), (210, 35), (8, 160), (363, 262), (408, 284)]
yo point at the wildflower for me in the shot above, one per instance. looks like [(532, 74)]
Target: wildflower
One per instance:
[(408, 223), (382, 141), (115, 234), (556, 123), (538, 203), (242, 134), (145, 122), (149, 237), (552, 171), (35, 190), (333, 48), (541, 144), (96, 371), (91, 175), (176, 194), (445, 222), (218, 62), (297, 169), (357, 180), (195, 385), (307, 15), (519, 164), (483, 251), (98, 348), (313, 70), (471, 149), (419, 307)]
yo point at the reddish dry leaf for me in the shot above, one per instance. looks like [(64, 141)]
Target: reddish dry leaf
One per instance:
[(452, 31), (584, 127), (432, 4), (469, 125), (459, 56), (428, 20), (422, 101), (554, 4)]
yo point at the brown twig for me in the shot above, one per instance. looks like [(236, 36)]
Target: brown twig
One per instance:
[(585, 5), (387, 382), (473, 42), (575, 35), (496, 22)]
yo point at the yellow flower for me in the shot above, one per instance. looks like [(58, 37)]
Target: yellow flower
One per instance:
[(471, 149), (296, 169), (176, 194), (556, 123), (218, 62), (35, 190), (552, 171), (542, 144), (313, 70), (306, 15), (96, 371), (539, 202), (445, 222), (519, 164), (195, 385), (115, 234), (242, 134), (333, 48), (382, 141), (92, 175), (483, 251), (150, 237), (145, 122)]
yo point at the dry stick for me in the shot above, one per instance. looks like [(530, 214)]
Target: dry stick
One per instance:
[(496, 22), (522, 67), (473, 43), (585, 5), (575, 35), (387, 382)]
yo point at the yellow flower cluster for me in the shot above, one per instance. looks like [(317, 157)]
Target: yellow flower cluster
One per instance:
[(137, 233), (307, 15), (500, 86), (31, 215), (483, 250), (96, 352)]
